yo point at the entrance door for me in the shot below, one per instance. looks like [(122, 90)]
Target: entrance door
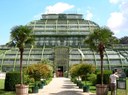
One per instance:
[(61, 60), (60, 71)]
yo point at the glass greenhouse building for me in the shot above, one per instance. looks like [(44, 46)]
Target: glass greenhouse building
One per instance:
[(60, 38)]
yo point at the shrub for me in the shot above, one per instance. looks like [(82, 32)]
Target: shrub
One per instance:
[(12, 78), (107, 73), (84, 69), (74, 70), (92, 78), (81, 70), (28, 80), (66, 74), (38, 71), (126, 72)]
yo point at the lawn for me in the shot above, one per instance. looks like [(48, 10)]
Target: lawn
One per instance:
[(2, 92), (1, 83), (119, 91)]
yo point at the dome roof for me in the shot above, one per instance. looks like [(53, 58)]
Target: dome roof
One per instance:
[(63, 23)]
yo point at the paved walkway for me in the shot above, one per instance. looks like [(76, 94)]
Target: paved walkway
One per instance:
[(61, 86)]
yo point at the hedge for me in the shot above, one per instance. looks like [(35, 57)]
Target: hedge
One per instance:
[(105, 77), (12, 78)]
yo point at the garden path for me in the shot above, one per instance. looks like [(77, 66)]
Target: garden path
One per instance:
[(61, 86)]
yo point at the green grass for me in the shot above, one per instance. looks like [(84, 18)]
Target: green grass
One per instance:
[(2, 92), (119, 91), (1, 83)]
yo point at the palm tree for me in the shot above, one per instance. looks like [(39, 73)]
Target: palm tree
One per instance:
[(21, 36), (100, 39)]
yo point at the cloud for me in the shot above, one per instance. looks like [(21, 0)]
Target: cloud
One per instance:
[(118, 20), (115, 21), (89, 15), (59, 7), (114, 1)]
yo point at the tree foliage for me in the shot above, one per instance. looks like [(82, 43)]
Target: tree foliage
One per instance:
[(38, 71), (20, 37), (101, 35), (81, 70), (100, 39), (124, 40)]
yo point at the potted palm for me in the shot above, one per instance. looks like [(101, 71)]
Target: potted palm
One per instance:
[(98, 40), (21, 36)]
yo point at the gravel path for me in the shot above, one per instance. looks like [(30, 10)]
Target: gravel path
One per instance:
[(61, 86)]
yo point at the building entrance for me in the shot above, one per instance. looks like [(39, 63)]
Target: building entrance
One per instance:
[(60, 71), (61, 60)]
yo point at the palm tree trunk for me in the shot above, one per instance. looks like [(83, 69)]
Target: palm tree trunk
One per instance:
[(102, 74), (21, 73), (101, 50)]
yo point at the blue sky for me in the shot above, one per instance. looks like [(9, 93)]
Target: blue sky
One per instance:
[(111, 13)]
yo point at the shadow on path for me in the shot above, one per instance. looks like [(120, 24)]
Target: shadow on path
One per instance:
[(62, 86), (71, 92)]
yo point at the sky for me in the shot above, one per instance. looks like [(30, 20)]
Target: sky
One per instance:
[(111, 13)]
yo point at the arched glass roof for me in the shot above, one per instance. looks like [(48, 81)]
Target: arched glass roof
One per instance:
[(64, 30)]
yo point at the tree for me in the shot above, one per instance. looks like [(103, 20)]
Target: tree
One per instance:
[(21, 37), (85, 69), (81, 70), (124, 40), (10, 44), (100, 39), (38, 71)]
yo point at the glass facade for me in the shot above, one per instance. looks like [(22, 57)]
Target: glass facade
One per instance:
[(60, 38)]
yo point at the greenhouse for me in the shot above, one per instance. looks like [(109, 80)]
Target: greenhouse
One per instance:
[(60, 39)]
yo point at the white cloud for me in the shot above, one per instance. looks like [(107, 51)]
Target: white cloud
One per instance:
[(59, 7), (89, 15), (115, 21), (118, 20), (114, 1)]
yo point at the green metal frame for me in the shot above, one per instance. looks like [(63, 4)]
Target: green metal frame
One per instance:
[(29, 56), (3, 59), (14, 64), (109, 66)]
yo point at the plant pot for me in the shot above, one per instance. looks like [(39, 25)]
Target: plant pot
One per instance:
[(86, 88), (21, 89), (41, 85), (35, 89), (78, 82), (101, 89), (75, 81), (80, 85)]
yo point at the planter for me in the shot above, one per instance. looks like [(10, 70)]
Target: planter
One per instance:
[(78, 82), (101, 89), (80, 85), (21, 89), (43, 82), (41, 85), (86, 88), (75, 81), (35, 89)]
